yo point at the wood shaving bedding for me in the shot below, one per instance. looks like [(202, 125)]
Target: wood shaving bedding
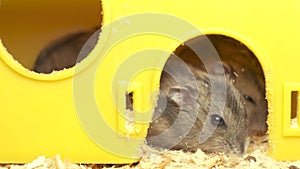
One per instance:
[(256, 158)]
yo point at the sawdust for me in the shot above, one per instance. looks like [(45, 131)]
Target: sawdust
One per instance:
[(255, 158)]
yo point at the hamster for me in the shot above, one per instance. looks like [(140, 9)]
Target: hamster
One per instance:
[(189, 116), (63, 53), (248, 77), (245, 72)]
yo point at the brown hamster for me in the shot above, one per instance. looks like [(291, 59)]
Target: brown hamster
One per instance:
[(248, 77), (243, 68), (189, 116), (63, 53)]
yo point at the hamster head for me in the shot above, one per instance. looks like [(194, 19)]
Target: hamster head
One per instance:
[(209, 116), (252, 91), (250, 84), (225, 127)]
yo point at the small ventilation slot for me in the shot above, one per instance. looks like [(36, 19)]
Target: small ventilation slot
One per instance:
[(290, 112), (294, 108), (129, 113)]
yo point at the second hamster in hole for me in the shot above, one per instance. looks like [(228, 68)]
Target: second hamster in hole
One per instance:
[(63, 53)]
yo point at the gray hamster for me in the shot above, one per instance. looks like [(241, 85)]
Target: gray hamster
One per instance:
[(188, 116), (63, 53), (248, 77), (245, 72)]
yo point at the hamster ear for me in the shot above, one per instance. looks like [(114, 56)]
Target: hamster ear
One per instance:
[(178, 94), (219, 67)]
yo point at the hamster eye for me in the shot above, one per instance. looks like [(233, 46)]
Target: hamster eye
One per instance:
[(217, 120), (249, 99)]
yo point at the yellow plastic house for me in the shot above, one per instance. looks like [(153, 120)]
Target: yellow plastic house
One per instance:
[(81, 112)]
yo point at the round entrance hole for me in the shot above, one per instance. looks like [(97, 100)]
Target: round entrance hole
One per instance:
[(28, 27), (241, 66), (244, 109)]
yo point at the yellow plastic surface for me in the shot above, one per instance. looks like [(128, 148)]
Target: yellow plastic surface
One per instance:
[(80, 112)]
